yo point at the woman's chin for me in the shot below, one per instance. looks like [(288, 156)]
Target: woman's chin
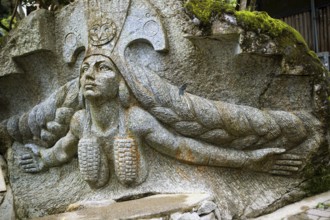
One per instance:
[(89, 94)]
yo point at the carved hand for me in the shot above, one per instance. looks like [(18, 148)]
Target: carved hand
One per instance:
[(286, 164), (273, 161), (32, 162)]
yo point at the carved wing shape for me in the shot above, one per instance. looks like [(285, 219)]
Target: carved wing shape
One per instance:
[(48, 121)]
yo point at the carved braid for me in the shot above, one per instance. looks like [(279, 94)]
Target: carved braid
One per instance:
[(216, 122), (48, 120), (126, 160)]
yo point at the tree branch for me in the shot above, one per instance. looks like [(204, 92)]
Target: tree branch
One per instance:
[(13, 15)]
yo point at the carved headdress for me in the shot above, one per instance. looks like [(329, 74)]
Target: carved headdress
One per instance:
[(106, 20), (114, 25)]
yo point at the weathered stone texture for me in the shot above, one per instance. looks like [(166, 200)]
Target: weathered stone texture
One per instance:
[(244, 105)]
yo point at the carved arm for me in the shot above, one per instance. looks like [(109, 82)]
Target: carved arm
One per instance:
[(197, 152), (40, 159), (62, 152)]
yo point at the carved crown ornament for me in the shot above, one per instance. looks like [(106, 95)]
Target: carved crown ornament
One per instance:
[(102, 32), (113, 25)]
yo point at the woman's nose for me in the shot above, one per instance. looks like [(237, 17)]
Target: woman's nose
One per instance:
[(89, 74)]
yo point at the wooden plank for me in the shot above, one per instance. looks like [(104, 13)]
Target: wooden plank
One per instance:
[(324, 16), (293, 21), (301, 24), (304, 31), (321, 21), (305, 21), (294, 25), (290, 20), (305, 28), (310, 36), (297, 22), (323, 37), (326, 28), (321, 30)]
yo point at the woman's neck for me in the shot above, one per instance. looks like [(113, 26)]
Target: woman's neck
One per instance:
[(104, 114)]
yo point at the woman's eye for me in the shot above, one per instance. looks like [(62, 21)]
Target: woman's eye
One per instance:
[(84, 69), (104, 68)]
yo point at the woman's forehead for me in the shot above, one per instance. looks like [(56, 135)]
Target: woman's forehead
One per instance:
[(97, 58)]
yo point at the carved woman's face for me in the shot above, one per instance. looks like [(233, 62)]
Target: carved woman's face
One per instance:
[(99, 78)]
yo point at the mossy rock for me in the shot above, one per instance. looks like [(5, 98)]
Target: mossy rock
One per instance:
[(206, 10), (289, 41)]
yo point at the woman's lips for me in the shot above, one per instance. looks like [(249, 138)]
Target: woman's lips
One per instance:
[(89, 85)]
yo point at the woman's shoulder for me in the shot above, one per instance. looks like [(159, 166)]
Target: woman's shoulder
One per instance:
[(78, 120), (141, 121)]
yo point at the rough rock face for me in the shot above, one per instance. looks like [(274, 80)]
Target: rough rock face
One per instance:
[(150, 103)]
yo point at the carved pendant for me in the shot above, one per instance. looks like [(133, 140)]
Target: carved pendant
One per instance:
[(93, 163), (126, 158)]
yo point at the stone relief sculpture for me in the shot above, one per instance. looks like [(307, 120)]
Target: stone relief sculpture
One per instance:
[(120, 127), (119, 109), (112, 129)]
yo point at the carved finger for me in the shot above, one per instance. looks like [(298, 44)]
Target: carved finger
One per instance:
[(289, 162), (280, 173), (271, 151), (285, 168), (279, 150), (32, 170), (34, 148), (54, 127), (26, 156), (29, 166), (63, 115), (47, 136), (290, 157), (26, 161), (262, 153)]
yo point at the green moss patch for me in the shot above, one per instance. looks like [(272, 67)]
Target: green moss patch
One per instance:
[(205, 10), (5, 22), (318, 178), (289, 41), (261, 22), (323, 205)]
